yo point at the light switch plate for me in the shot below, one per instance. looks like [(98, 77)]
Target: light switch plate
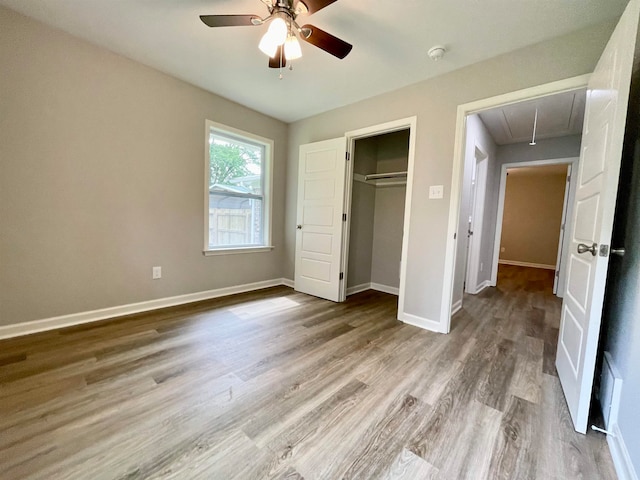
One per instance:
[(436, 191)]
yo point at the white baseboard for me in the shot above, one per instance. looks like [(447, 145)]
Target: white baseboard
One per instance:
[(358, 288), (372, 286), (384, 288), (456, 307), (527, 264), (421, 322), (35, 326), (481, 287), (287, 282), (620, 455)]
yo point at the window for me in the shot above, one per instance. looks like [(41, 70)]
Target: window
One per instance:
[(237, 188)]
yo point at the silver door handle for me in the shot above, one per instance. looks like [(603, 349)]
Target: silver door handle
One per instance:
[(618, 251), (582, 248)]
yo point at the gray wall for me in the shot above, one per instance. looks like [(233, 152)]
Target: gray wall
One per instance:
[(387, 235), (477, 134), (363, 199), (622, 300), (435, 102), (101, 178), (393, 154)]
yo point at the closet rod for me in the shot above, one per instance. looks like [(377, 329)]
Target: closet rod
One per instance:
[(376, 176)]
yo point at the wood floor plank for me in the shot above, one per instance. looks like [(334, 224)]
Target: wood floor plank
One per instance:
[(276, 384), (408, 466), (513, 451), (526, 382)]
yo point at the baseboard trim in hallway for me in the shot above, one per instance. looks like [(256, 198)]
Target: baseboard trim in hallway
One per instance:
[(620, 455), (45, 324)]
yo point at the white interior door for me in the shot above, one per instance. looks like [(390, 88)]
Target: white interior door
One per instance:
[(321, 179), (592, 217), (476, 219)]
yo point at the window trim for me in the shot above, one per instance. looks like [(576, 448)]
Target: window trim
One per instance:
[(267, 185)]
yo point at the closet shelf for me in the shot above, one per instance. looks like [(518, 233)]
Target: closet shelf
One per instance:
[(379, 176), (382, 179)]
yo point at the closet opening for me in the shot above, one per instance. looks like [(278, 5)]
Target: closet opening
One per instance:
[(376, 194)]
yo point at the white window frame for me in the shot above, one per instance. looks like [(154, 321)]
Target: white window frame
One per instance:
[(268, 185)]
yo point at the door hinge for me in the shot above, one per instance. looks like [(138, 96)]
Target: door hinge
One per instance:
[(344, 217), (455, 235), (562, 227), (347, 155), (341, 275), (557, 273), (568, 178)]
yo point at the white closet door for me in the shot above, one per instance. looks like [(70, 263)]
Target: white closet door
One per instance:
[(321, 178)]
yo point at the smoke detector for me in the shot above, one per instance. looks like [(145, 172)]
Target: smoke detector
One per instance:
[(436, 53)]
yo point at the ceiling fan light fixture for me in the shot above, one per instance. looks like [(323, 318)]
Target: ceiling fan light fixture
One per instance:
[(278, 30), (292, 50), (268, 45)]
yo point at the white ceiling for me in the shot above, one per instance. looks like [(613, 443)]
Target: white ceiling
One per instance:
[(390, 38), (558, 116)]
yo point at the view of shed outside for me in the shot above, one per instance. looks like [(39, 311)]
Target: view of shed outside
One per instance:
[(532, 215)]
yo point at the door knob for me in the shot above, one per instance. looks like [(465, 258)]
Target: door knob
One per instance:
[(582, 248), (299, 227), (618, 251)]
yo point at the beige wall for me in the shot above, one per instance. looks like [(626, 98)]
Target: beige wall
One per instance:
[(434, 102), (533, 215), (101, 178)]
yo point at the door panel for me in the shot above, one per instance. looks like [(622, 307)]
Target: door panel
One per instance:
[(592, 222), (321, 179)]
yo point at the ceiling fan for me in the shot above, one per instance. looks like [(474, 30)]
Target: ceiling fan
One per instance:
[(280, 43)]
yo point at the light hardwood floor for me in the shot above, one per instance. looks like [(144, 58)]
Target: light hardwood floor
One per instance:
[(276, 384)]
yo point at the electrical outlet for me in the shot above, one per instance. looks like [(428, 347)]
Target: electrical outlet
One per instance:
[(156, 273), (502, 249)]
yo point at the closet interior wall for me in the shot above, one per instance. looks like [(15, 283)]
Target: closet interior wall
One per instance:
[(377, 213)]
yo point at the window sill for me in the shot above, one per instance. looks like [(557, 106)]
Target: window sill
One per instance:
[(233, 251)]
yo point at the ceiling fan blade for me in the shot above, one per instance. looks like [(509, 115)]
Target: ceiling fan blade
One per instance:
[(315, 5), (229, 20), (274, 62), (325, 41)]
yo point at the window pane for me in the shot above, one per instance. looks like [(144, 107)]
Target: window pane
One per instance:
[(236, 164), (234, 221), (236, 189)]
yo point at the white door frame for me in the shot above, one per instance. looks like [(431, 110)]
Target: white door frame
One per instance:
[(567, 207), (409, 123), (561, 86), (476, 212), (559, 282)]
